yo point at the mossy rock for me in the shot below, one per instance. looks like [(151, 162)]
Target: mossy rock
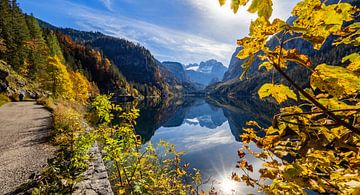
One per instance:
[(13, 84)]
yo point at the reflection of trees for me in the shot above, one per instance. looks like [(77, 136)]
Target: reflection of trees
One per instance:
[(209, 116), (239, 111), (211, 113), (154, 114)]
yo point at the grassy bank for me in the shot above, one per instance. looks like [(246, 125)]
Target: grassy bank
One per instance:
[(3, 99)]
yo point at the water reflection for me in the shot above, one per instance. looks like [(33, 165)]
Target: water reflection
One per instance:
[(207, 130)]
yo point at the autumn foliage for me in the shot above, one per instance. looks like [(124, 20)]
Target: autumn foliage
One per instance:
[(314, 143)]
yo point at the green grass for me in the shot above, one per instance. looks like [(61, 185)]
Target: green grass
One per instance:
[(4, 99)]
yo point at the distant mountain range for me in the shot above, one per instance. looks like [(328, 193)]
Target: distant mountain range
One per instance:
[(200, 75)]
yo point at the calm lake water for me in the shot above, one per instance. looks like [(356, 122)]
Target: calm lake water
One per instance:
[(207, 132)]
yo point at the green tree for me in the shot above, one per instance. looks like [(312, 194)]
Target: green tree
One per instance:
[(18, 51), (5, 29), (53, 45), (39, 49)]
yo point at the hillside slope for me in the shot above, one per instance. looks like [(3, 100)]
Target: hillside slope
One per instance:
[(134, 62)]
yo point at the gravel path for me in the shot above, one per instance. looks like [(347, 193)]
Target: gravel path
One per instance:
[(24, 146)]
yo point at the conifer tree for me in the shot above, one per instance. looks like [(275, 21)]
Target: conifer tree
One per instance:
[(18, 51), (39, 49), (53, 45), (5, 29)]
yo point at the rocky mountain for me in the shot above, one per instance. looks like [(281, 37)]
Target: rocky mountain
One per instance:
[(206, 73), (177, 69)]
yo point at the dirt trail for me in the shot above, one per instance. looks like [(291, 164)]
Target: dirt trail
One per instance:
[(24, 143)]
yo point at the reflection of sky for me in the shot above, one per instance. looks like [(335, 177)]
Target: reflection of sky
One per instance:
[(192, 138), (213, 151)]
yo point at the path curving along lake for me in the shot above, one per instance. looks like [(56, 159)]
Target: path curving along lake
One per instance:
[(24, 145)]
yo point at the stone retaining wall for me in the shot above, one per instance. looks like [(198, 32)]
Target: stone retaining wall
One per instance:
[(96, 181)]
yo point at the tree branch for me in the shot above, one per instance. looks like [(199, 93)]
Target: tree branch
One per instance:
[(315, 102)]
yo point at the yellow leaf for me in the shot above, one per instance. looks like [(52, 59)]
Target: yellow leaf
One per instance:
[(222, 2), (246, 66), (316, 21), (280, 92), (349, 35), (235, 4), (335, 80), (250, 46), (293, 56), (261, 27), (267, 65), (262, 7), (354, 58), (334, 104)]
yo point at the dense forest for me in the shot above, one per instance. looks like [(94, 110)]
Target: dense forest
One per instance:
[(134, 61), (28, 50)]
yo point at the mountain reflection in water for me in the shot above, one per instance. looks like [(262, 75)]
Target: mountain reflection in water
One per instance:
[(207, 130)]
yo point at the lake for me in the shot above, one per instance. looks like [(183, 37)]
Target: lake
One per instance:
[(208, 132)]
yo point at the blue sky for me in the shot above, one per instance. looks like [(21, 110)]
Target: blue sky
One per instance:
[(187, 31)]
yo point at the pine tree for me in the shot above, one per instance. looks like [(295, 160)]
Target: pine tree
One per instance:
[(39, 49), (18, 52), (53, 45), (5, 29)]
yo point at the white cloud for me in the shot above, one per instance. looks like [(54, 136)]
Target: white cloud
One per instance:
[(212, 36), (213, 138), (107, 4), (164, 43)]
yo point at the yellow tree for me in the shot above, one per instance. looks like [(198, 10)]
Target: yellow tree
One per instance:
[(322, 135), (2, 45), (59, 80), (81, 87)]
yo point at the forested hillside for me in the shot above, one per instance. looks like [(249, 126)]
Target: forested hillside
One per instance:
[(134, 61), (43, 59)]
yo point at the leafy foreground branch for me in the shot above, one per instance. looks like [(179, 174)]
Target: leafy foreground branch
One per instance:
[(314, 144)]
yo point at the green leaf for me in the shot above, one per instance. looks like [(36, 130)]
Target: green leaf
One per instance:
[(280, 92)]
